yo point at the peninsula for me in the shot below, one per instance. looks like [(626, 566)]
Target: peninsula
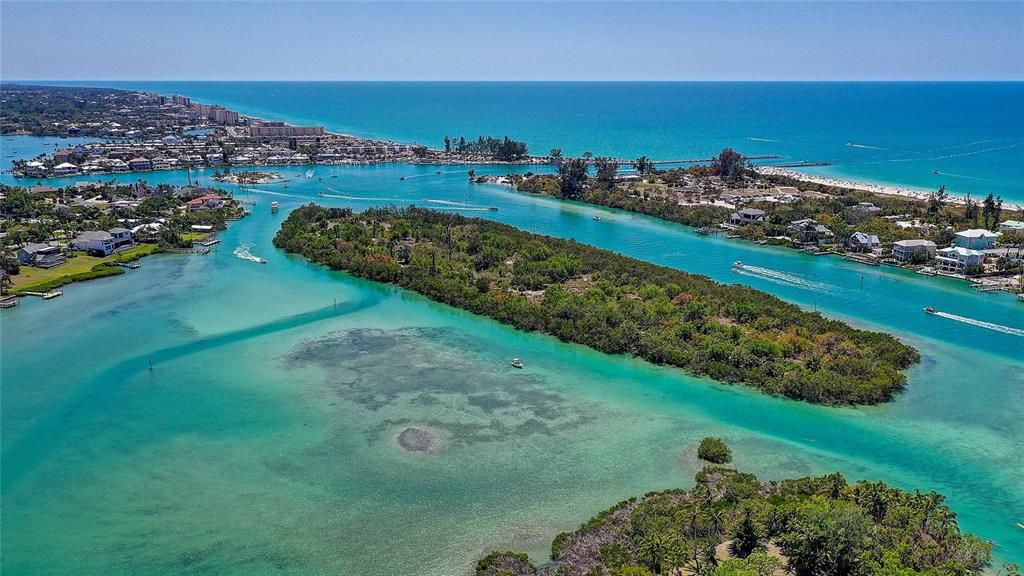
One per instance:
[(609, 302), (980, 240), (143, 132)]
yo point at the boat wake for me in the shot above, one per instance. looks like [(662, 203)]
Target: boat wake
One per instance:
[(752, 139), (982, 324), (854, 145), (258, 191), (784, 279), (461, 206), (363, 198), (242, 251), (974, 152)]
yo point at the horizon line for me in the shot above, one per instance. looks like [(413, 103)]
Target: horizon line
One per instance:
[(506, 81)]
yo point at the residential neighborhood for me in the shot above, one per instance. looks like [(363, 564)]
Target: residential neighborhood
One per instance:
[(51, 236)]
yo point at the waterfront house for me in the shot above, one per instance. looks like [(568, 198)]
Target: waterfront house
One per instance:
[(41, 255), (747, 216), (65, 169), (975, 239), (957, 259), (809, 231), (139, 164), (861, 242), (104, 243), (62, 156), (903, 250), (1011, 226), (35, 169), (205, 202), (118, 166), (161, 163)]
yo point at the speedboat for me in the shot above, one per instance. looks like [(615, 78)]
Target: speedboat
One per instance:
[(517, 363), (262, 260), (597, 218), (737, 264), (439, 172), (493, 208), (930, 310), (402, 178), (274, 206)]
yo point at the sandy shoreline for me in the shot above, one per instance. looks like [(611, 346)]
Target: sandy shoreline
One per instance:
[(916, 194)]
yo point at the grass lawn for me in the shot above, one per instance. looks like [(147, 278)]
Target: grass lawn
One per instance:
[(30, 277), (193, 236)]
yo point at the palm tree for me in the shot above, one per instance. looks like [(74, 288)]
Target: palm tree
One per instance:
[(654, 549)]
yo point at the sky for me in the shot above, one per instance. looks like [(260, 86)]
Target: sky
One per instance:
[(284, 40)]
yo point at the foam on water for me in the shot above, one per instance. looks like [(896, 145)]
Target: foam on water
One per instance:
[(779, 277), (982, 324), (242, 251)]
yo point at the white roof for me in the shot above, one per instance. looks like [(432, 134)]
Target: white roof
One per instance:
[(977, 233), (909, 243), (65, 165), (961, 251)]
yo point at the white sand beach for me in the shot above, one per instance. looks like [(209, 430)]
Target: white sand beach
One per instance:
[(874, 188)]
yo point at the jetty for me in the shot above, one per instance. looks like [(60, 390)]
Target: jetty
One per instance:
[(697, 160), (8, 302)]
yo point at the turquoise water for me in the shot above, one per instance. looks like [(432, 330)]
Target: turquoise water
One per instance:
[(263, 441), (970, 132)]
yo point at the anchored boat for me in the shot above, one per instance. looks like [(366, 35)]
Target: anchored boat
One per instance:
[(517, 363), (275, 206)]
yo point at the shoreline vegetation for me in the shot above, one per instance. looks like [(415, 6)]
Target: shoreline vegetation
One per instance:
[(609, 302), (732, 524), (731, 197)]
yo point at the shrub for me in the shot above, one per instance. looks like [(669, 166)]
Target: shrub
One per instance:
[(714, 450)]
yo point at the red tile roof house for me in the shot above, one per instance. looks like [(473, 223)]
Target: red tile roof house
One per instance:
[(139, 164), (205, 202), (62, 156)]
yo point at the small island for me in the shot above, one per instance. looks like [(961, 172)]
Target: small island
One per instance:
[(732, 524), (612, 303)]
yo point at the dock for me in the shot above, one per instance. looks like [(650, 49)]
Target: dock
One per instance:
[(8, 302), (132, 265)]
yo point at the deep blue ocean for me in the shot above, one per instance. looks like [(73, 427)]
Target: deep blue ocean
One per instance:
[(968, 136)]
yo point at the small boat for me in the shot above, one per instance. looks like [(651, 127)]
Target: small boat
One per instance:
[(262, 260), (402, 178), (935, 171), (274, 206), (439, 172), (597, 218), (930, 310), (493, 208), (517, 363), (334, 175), (737, 264)]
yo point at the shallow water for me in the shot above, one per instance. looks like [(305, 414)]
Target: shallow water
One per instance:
[(264, 440)]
